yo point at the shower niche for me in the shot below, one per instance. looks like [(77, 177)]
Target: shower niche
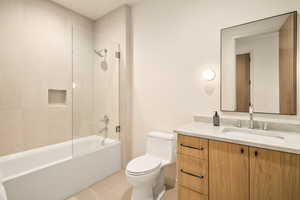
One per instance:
[(57, 97)]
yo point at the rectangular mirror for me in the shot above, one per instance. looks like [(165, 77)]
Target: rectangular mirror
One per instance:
[(258, 66)]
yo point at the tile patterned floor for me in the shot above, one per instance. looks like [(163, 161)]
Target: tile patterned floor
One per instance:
[(116, 187)]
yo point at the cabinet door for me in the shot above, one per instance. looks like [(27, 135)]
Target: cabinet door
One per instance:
[(228, 171), (274, 175)]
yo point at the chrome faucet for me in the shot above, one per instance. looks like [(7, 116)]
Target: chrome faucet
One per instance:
[(251, 121), (105, 120), (104, 130)]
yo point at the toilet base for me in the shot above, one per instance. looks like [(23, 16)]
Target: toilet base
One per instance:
[(142, 193), (152, 190), (145, 194), (160, 196)]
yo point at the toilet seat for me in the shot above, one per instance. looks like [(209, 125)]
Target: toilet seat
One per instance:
[(143, 165)]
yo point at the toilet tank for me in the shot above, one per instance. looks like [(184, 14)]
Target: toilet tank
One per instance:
[(161, 145)]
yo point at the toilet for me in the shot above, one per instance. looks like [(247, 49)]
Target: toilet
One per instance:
[(145, 173)]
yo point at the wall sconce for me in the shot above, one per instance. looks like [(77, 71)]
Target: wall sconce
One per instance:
[(74, 85), (208, 75)]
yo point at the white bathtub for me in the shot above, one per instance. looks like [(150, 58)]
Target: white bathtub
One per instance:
[(53, 173)]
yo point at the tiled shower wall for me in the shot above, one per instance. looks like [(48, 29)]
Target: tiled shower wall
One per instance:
[(35, 56), (113, 31)]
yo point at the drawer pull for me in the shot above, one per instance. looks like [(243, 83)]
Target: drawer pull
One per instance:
[(201, 148), (201, 177)]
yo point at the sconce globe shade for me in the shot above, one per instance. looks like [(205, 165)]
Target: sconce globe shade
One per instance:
[(208, 75)]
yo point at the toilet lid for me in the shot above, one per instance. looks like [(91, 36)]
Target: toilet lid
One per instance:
[(143, 165)]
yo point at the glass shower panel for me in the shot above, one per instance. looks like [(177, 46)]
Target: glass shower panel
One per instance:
[(95, 93), (82, 87)]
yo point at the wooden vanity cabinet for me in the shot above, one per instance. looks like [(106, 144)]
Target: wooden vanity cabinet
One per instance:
[(228, 171), (192, 173), (274, 175), (213, 170), (193, 146), (187, 194)]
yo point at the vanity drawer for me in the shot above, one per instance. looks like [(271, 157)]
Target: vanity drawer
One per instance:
[(193, 146), (193, 173), (186, 194), (193, 165)]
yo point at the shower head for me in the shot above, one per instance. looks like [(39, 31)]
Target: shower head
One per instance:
[(104, 65), (102, 53)]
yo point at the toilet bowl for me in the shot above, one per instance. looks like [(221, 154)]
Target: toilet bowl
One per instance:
[(145, 173), (142, 174)]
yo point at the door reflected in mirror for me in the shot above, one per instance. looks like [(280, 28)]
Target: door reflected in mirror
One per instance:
[(259, 66)]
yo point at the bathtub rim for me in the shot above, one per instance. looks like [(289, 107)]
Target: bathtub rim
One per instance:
[(111, 143)]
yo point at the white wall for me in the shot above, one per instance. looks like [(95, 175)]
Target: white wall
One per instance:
[(264, 53), (174, 41)]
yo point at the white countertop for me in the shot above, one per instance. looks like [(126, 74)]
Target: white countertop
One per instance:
[(290, 144)]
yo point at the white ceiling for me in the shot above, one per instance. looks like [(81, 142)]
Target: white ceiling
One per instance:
[(93, 9)]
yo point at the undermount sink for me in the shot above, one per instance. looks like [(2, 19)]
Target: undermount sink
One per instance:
[(253, 134)]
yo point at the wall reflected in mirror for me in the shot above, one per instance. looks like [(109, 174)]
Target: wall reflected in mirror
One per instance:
[(259, 66)]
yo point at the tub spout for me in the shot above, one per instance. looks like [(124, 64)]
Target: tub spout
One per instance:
[(105, 129)]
